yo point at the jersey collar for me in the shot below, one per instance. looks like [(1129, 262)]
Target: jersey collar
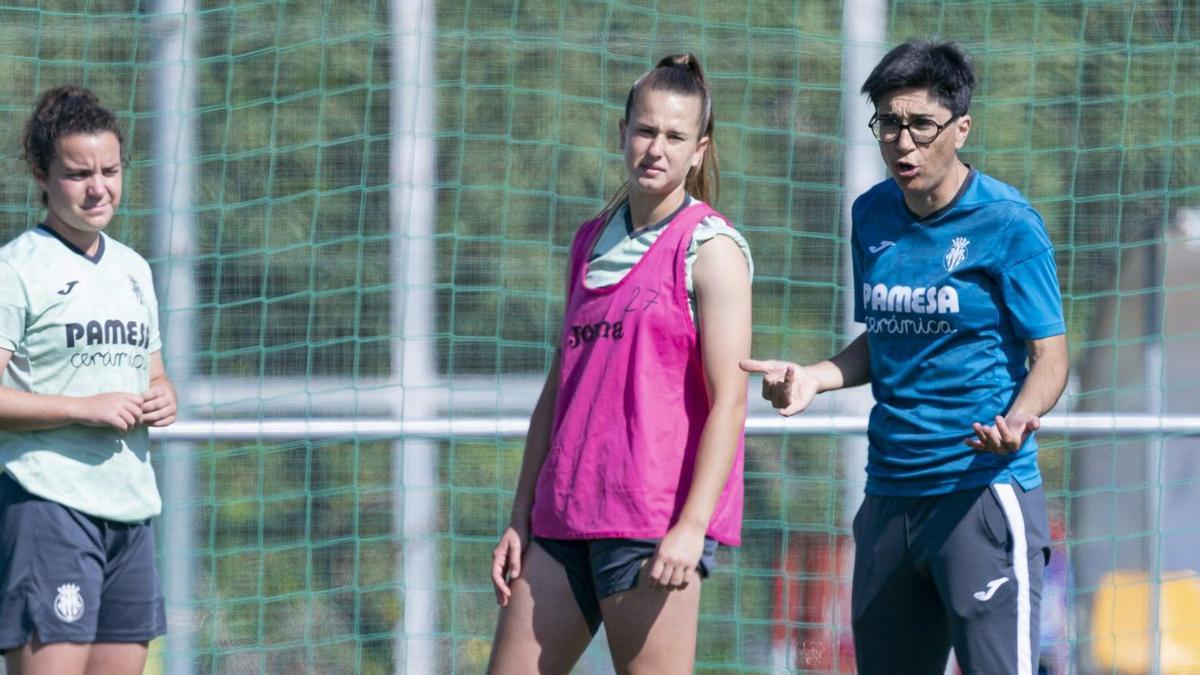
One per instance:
[(629, 232), (94, 259), (962, 190)]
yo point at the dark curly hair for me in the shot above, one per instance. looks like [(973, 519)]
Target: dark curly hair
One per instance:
[(60, 112)]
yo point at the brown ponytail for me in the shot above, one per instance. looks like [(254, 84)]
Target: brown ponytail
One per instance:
[(681, 74)]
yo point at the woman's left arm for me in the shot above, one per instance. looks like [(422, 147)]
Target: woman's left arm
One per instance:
[(158, 403), (721, 281), (1047, 378)]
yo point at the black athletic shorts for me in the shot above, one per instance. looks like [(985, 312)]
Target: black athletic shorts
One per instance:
[(71, 577), (598, 568)]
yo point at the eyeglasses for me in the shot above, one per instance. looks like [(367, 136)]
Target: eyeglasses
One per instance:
[(923, 131)]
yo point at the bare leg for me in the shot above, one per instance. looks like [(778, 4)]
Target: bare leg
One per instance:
[(651, 630), (542, 624), (59, 658), (117, 658)]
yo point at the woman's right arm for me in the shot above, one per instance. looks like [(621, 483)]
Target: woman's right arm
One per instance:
[(791, 387), (506, 558), (24, 411)]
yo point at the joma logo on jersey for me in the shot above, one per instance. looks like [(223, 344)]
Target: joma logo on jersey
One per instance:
[(590, 332), (909, 300), (111, 332)]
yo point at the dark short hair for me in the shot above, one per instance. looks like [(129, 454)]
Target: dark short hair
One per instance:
[(943, 68)]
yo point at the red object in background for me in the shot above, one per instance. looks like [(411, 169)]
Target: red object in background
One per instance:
[(812, 604)]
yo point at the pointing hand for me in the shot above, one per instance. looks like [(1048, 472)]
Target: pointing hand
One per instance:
[(789, 387)]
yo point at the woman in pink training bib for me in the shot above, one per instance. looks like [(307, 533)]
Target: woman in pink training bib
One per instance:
[(632, 473)]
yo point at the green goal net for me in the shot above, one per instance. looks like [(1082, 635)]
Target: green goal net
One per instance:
[(308, 176)]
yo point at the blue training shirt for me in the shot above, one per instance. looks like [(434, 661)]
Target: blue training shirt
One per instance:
[(948, 301)]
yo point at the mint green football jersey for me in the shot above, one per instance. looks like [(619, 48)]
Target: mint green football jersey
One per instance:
[(79, 326)]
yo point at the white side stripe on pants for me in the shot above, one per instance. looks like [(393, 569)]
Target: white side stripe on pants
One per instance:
[(1016, 525)]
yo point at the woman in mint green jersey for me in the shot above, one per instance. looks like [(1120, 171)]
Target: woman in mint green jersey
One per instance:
[(82, 380)]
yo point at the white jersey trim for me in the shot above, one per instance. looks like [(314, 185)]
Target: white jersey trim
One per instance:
[(1016, 525)]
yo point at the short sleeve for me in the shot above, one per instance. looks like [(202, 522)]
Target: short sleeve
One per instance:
[(155, 335), (856, 269), (1029, 285), (710, 228), (14, 308)]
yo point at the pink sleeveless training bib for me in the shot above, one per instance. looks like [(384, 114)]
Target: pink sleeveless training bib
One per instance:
[(632, 402)]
